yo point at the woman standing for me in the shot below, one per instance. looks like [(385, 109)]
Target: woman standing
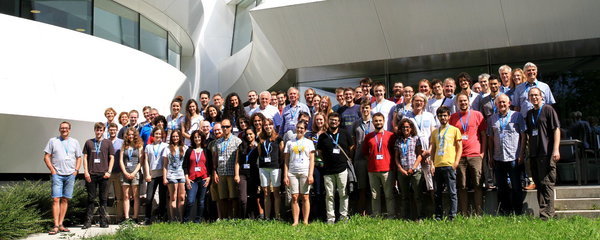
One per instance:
[(408, 161), (298, 171), (325, 105), (174, 120), (153, 164), (270, 160), (319, 126), (196, 176), (243, 124), (130, 164), (233, 111), (257, 120), (517, 77), (245, 166), (173, 175), (123, 119), (212, 114), (191, 121), (316, 103)]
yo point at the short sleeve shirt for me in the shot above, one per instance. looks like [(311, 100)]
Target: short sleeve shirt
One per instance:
[(299, 151), (445, 141), (334, 163), (155, 153), (226, 152), (386, 108), (407, 150), (64, 153), (348, 115), (505, 132), (130, 159), (470, 125), (98, 155), (175, 162), (425, 124), (541, 145), (378, 147)]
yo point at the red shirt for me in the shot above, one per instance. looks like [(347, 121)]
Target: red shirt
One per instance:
[(475, 123), (378, 147), (201, 163)]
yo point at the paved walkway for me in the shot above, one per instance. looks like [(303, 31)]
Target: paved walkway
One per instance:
[(76, 233)]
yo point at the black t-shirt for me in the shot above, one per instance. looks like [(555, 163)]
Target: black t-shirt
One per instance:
[(541, 145), (334, 163), (98, 159), (247, 158), (270, 149)]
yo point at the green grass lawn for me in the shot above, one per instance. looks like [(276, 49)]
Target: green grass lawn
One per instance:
[(487, 227)]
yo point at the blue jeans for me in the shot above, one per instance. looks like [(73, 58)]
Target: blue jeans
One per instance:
[(510, 197), (62, 186), (445, 177), (195, 195)]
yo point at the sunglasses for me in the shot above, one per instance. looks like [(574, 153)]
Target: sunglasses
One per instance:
[(225, 126)]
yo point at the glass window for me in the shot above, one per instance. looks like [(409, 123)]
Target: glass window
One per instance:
[(71, 14), (153, 39), (242, 28), (9, 7), (174, 52), (116, 23)]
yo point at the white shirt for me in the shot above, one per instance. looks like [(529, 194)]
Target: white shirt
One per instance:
[(385, 107), (269, 111), (299, 150)]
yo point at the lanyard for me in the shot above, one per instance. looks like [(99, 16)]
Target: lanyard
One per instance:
[(538, 116), (198, 155), (442, 138), (129, 153), (66, 147), (97, 146), (224, 146), (157, 150), (419, 123), (292, 112), (505, 122), (269, 148), (404, 146), (337, 137), (248, 155), (365, 127), (174, 123), (378, 142), (465, 126), (494, 105), (176, 155)]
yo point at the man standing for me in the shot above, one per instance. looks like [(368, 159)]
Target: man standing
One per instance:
[(361, 128), (483, 81), (133, 117), (505, 73), (281, 99), (252, 103), (520, 97), (366, 84), (446, 146), (438, 96), (350, 112), (382, 105), (339, 96), (115, 177), (472, 128), (110, 114), (218, 101), (335, 147), (448, 101), (62, 156), (506, 135), (308, 97), (223, 173), (378, 147), (464, 81), (398, 91), (292, 111), (268, 110), (204, 101), (543, 137), (358, 95), (488, 108), (98, 160)]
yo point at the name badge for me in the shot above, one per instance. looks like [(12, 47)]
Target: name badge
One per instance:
[(130, 164), (465, 137), (267, 159), (97, 160), (197, 169), (440, 152), (502, 135), (68, 158), (246, 166), (379, 157), (336, 151), (534, 132), (221, 158)]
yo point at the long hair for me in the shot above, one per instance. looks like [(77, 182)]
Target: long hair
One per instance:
[(413, 129), (188, 115), (202, 137), (135, 143), (172, 145), (262, 118), (327, 110), (207, 115), (315, 129), (263, 134), (231, 112)]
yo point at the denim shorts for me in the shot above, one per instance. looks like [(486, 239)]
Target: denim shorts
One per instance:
[(62, 186), (173, 181)]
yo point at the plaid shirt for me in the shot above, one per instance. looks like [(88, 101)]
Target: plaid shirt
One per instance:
[(407, 161), (226, 151)]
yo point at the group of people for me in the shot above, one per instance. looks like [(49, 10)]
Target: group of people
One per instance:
[(241, 153)]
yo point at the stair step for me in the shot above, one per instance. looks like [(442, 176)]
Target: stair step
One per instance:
[(577, 192), (583, 213), (577, 204)]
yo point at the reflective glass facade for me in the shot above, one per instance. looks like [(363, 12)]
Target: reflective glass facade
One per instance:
[(102, 18), (242, 27)]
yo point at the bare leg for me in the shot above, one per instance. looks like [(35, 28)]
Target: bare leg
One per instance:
[(305, 207), (180, 200), (64, 204), (295, 209), (172, 200), (56, 211), (136, 199), (267, 202), (126, 201)]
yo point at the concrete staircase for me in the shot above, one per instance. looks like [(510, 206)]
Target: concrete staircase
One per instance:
[(577, 200)]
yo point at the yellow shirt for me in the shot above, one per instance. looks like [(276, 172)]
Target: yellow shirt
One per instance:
[(446, 155)]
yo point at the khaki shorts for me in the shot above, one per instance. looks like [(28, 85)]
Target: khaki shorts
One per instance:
[(227, 188), (214, 191), (299, 183)]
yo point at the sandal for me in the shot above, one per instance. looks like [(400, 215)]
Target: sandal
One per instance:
[(62, 228), (54, 231)]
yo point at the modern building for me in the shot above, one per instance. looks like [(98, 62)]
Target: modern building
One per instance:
[(71, 59)]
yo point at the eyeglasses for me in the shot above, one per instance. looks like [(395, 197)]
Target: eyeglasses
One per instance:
[(225, 126)]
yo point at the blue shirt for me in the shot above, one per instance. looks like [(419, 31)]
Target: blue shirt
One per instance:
[(505, 132), (290, 117), (520, 96)]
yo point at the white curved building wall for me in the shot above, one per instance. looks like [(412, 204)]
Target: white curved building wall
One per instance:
[(50, 73)]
